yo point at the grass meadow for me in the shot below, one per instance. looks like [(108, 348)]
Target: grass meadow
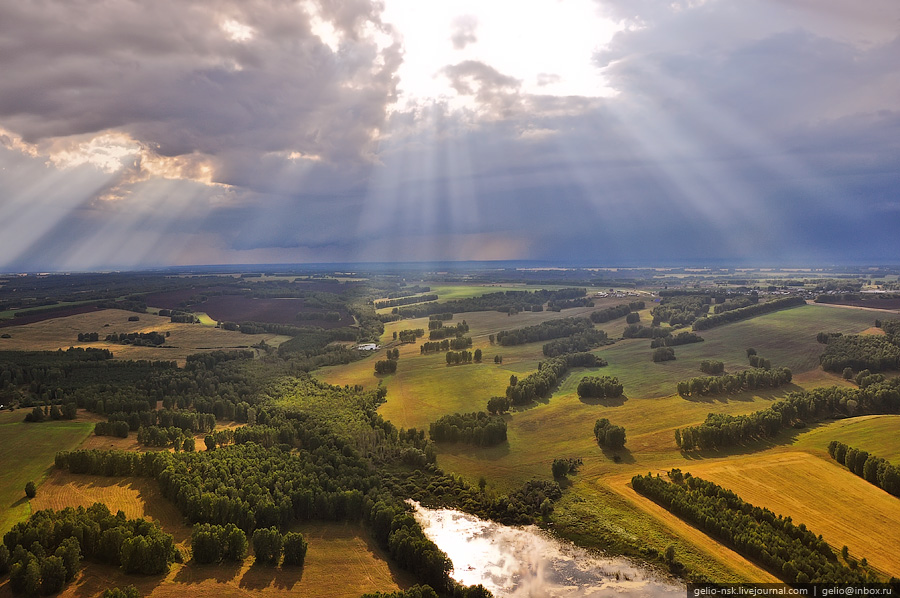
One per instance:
[(27, 453)]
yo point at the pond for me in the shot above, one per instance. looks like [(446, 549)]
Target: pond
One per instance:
[(519, 562)]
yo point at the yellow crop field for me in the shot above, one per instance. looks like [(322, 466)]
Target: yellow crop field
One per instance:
[(183, 340), (828, 498)]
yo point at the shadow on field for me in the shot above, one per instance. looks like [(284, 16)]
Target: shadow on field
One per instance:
[(259, 577), (622, 455), (22, 500), (605, 401), (746, 396), (194, 572), (783, 438), (487, 453)]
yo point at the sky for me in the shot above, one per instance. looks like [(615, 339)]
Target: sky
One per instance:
[(611, 132)]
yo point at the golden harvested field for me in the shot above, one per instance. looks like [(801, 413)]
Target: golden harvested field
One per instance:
[(184, 339), (136, 497), (342, 562), (828, 498)]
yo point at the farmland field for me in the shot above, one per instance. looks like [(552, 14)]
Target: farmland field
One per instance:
[(342, 561), (42, 440), (184, 339), (804, 486), (425, 388)]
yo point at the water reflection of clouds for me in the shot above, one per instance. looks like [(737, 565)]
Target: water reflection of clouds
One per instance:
[(525, 562)]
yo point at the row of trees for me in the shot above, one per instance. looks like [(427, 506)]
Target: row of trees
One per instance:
[(44, 552), (386, 366), (860, 352), (405, 301), (751, 311), (540, 383), (152, 338), (216, 543), (269, 544), (458, 357), (502, 301), (88, 337), (712, 367), (872, 468), (550, 329), (478, 428), (166, 437), (791, 552), (600, 387), (611, 313), (682, 338), (732, 383), (52, 412), (455, 344), (578, 342), (409, 336), (189, 421), (441, 332), (798, 408), (641, 331), (680, 310), (663, 354), (609, 435)]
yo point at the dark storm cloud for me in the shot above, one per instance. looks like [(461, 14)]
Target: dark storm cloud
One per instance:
[(179, 78), (757, 130)]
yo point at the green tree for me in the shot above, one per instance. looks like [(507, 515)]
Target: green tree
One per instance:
[(295, 547), (30, 490)]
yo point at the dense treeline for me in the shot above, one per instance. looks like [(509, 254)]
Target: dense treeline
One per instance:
[(441, 317), (478, 428), (609, 435), (663, 354), (559, 305), (456, 344), (680, 310), (188, 421), (405, 301), (498, 405), (860, 352), (45, 551), (733, 383), (791, 552), (641, 331), (386, 366), (747, 312), (442, 332), (88, 337), (142, 339), (736, 303), (458, 357), (797, 409), (872, 468), (712, 367), (503, 301), (408, 292), (540, 383), (550, 329), (216, 543), (682, 338), (577, 343), (600, 387), (112, 428), (410, 335), (619, 311)]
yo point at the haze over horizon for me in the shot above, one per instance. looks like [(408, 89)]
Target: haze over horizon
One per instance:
[(136, 135)]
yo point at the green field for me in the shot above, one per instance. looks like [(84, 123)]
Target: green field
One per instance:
[(876, 434), (27, 453), (425, 388)]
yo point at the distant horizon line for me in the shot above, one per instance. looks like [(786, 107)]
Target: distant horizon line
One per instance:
[(428, 265)]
